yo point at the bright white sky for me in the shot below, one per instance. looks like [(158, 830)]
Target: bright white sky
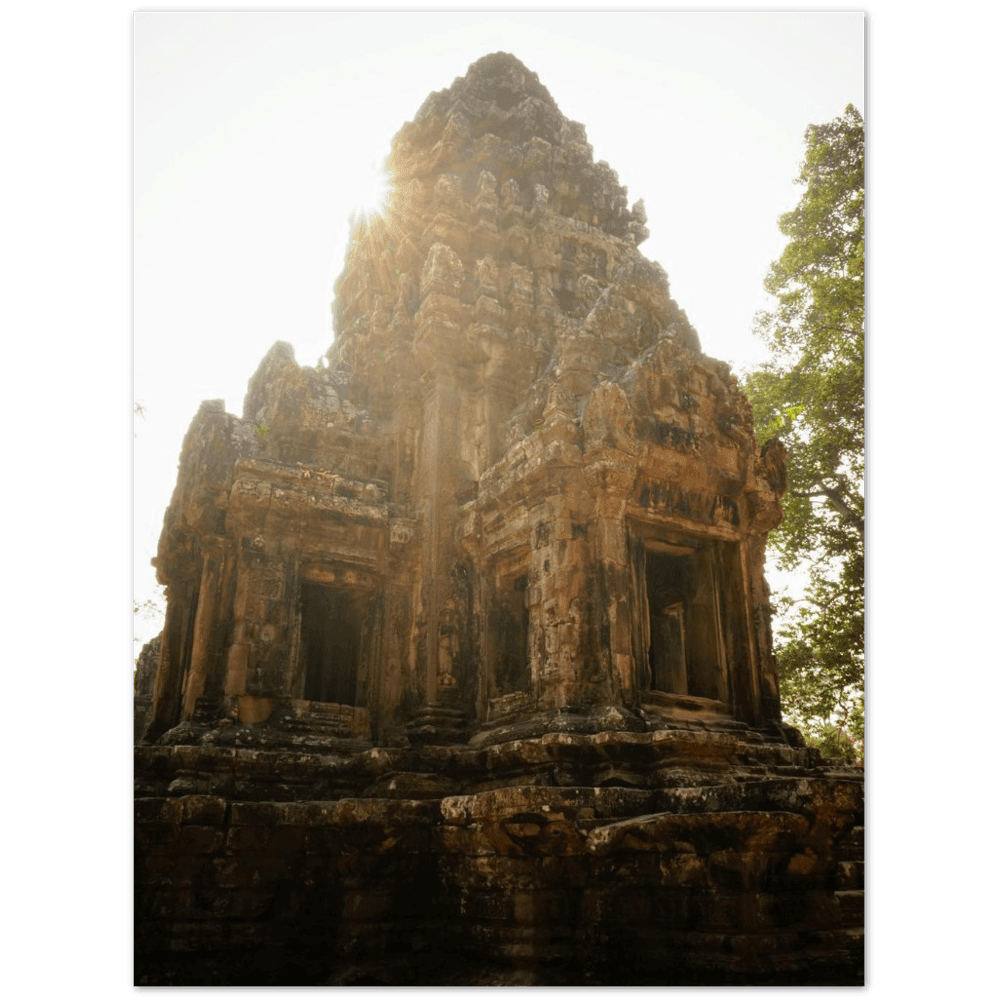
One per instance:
[(257, 134)]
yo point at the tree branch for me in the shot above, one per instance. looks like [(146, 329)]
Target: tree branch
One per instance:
[(833, 495)]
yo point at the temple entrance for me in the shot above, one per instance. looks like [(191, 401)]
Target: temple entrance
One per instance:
[(685, 645), (509, 625), (333, 631), (667, 655)]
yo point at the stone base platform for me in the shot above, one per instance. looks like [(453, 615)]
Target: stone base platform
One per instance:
[(675, 857)]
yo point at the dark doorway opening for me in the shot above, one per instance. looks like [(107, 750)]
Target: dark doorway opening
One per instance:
[(686, 654), (333, 631), (666, 585), (511, 660)]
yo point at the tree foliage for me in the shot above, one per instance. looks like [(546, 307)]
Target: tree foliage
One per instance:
[(811, 394)]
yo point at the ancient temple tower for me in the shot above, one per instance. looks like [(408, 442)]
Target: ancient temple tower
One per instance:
[(466, 677), (517, 497)]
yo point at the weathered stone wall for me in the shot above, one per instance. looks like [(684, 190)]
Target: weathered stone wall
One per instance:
[(382, 873)]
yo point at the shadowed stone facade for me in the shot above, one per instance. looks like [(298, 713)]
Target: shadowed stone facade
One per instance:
[(466, 675)]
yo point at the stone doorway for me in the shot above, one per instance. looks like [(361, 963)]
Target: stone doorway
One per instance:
[(685, 647), (333, 634), (509, 639)]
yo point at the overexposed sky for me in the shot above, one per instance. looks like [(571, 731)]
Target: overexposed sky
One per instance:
[(257, 134)]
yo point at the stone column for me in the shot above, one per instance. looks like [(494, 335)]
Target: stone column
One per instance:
[(430, 506), (610, 466), (204, 621), (744, 659), (182, 598), (758, 612), (438, 347)]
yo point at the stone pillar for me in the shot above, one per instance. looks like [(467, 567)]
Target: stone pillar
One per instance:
[(610, 466), (704, 642), (438, 346), (202, 651), (182, 599), (563, 610), (430, 506), (612, 482), (389, 676), (744, 660), (242, 655), (765, 699)]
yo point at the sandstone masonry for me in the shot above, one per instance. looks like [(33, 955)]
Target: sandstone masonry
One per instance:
[(466, 674)]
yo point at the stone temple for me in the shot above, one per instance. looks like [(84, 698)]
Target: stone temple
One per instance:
[(466, 676)]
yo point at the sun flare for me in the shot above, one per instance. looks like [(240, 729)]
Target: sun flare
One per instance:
[(373, 199)]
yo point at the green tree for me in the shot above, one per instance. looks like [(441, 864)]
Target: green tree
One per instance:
[(811, 394)]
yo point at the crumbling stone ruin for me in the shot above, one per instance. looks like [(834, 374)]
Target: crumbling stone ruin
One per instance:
[(466, 676)]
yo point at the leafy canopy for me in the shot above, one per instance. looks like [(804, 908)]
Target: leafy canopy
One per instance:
[(811, 394)]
